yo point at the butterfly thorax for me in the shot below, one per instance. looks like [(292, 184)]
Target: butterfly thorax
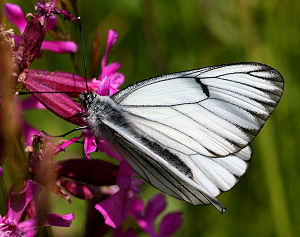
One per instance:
[(101, 111), (87, 99)]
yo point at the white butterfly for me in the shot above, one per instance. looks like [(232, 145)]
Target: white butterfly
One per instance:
[(189, 133)]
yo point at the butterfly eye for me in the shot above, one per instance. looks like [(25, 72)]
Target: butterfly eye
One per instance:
[(83, 99)]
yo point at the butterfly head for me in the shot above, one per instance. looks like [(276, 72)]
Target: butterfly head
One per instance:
[(87, 99)]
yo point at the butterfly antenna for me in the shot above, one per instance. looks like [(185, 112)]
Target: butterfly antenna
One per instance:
[(83, 50), (42, 92)]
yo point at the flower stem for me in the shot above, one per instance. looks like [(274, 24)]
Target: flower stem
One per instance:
[(3, 188), (49, 231)]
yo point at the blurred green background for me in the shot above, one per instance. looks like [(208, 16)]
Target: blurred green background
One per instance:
[(157, 37)]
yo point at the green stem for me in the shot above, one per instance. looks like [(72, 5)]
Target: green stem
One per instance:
[(49, 231), (274, 182), (3, 188)]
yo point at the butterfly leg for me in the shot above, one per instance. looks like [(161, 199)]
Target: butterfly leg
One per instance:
[(78, 113), (69, 132)]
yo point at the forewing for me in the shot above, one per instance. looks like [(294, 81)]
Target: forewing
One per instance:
[(213, 112)]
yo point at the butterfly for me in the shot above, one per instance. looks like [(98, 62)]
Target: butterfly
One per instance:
[(189, 133)]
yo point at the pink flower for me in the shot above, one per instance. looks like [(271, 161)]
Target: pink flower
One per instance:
[(13, 225), (28, 46), (63, 105), (81, 177), (145, 216), (16, 16), (115, 79), (118, 206), (77, 176), (170, 224), (110, 81), (59, 103)]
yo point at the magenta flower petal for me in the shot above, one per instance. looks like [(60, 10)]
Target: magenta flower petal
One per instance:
[(124, 175), (90, 144), (115, 208), (111, 40), (112, 91), (104, 87), (145, 217), (106, 148), (94, 172), (137, 208), (112, 67), (52, 219), (32, 209), (1, 174), (16, 205), (59, 220), (29, 227), (63, 81), (31, 103), (117, 80), (51, 22), (59, 46), (155, 206), (30, 233), (67, 143), (77, 189), (170, 224), (17, 202), (109, 69), (59, 103), (15, 15)]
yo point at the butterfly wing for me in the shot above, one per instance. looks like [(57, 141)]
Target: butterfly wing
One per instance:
[(195, 179), (205, 119), (213, 111)]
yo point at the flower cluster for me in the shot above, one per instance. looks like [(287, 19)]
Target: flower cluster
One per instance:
[(13, 223), (112, 191)]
